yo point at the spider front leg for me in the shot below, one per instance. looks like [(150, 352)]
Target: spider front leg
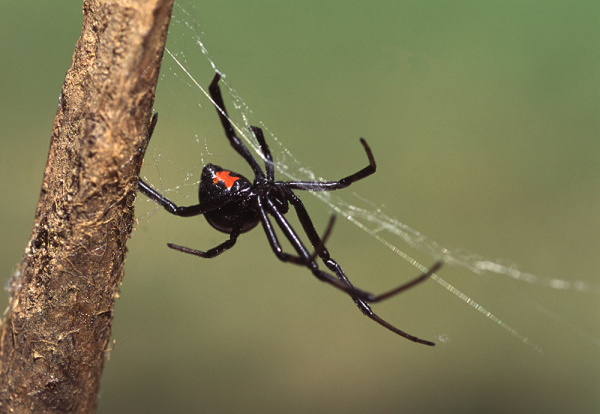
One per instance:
[(170, 206), (344, 182), (269, 166), (236, 143)]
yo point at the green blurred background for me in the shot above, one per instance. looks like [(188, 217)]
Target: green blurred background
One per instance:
[(484, 118)]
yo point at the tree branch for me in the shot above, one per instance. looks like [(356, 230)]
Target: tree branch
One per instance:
[(53, 341)]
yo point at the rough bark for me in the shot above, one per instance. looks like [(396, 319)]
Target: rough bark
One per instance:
[(54, 338)]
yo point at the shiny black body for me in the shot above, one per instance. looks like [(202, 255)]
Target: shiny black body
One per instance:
[(234, 205), (225, 218)]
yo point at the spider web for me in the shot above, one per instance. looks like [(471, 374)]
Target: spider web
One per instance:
[(365, 214)]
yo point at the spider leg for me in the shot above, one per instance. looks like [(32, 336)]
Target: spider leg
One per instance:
[(171, 207), (269, 167), (323, 253), (324, 238), (209, 254), (238, 225), (303, 258), (274, 242), (344, 182), (158, 198), (236, 143), (186, 211), (149, 192)]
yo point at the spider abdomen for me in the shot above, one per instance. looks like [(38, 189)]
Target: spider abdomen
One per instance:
[(223, 187), (225, 218)]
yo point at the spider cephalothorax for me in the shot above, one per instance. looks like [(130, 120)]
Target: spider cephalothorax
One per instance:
[(233, 205)]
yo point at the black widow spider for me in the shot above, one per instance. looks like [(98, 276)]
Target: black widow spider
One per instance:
[(234, 205)]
